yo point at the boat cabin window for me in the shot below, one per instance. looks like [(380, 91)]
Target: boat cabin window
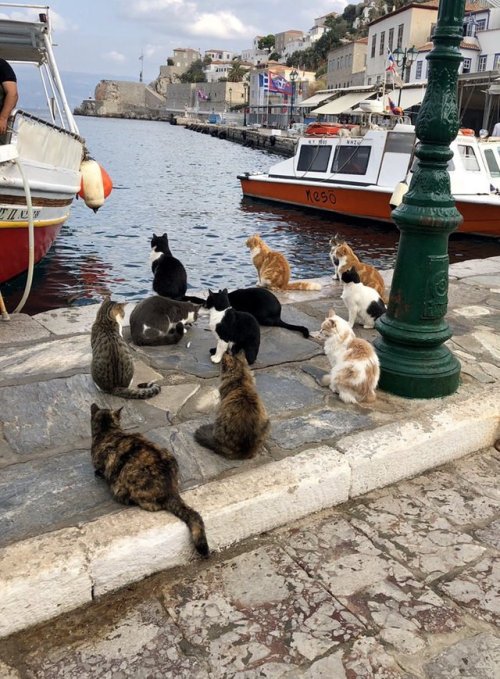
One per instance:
[(314, 158), (492, 163), (468, 157), (351, 159), (399, 142)]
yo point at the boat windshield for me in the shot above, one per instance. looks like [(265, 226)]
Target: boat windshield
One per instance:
[(492, 163)]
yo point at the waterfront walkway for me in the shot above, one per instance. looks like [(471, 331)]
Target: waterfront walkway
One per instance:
[(399, 584), (63, 541)]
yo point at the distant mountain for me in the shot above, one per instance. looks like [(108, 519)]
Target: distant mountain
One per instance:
[(78, 86)]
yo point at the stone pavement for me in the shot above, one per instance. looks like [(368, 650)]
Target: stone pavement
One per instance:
[(63, 541), (401, 583)]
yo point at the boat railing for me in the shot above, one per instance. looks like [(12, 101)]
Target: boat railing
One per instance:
[(24, 114)]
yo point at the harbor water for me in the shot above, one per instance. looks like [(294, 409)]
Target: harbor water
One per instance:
[(169, 179)]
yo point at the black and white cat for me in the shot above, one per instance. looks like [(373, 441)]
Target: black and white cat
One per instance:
[(160, 320), (170, 278), (363, 303), (264, 307), (235, 330)]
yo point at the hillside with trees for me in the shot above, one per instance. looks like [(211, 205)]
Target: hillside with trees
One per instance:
[(350, 25)]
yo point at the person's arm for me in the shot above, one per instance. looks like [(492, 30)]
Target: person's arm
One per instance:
[(9, 103)]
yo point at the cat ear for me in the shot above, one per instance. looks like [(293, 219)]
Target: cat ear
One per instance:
[(165, 236), (118, 412), (155, 236), (331, 313), (225, 291), (94, 408)]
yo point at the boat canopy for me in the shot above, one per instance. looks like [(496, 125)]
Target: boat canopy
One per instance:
[(318, 98), (23, 41), (409, 96), (344, 103)]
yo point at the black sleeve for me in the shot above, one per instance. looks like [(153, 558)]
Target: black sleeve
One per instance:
[(6, 72)]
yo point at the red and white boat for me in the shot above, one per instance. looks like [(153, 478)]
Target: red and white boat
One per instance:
[(40, 159), (358, 173)]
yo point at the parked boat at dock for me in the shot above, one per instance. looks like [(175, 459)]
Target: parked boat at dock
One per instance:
[(354, 172), (40, 159)]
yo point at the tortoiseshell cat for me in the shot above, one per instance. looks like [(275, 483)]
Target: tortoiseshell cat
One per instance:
[(241, 423), (139, 472), (112, 367), (273, 268), (344, 258)]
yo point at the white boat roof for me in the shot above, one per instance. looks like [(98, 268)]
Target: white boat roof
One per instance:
[(23, 41)]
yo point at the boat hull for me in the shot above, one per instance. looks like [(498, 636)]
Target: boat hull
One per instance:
[(14, 247), (361, 202)]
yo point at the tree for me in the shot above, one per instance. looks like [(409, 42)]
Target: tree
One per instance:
[(274, 56), (267, 42), (194, 74), (236, 72)]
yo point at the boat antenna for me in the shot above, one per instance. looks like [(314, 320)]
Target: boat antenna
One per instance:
[(141, 59)]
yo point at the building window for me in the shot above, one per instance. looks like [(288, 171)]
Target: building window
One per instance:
[(374, 45), (496, 62), (369, 82), (390, 41), (480, 24), (482, 63), (466, 66), (418, 73), (382, 43), (400, 34)]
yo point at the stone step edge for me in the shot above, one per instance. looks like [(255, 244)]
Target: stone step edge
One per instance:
[(54, 573)]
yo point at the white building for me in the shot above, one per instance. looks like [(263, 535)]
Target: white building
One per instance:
[(254, 55)]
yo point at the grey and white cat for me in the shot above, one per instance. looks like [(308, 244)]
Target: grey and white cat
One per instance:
[(363, 303), (161, 320), (112, 367)]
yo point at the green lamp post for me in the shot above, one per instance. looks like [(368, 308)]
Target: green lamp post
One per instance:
[(414, 361)]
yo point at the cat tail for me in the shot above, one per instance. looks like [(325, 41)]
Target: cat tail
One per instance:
[(303, 285), (194, 300), (176, 506), (143, 390), (288, 326), (204, 435)]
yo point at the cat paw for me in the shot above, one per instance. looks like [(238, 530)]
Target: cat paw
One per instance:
[(369, 326), (215, 359), (212, 351), (99, 474), (325, 380)]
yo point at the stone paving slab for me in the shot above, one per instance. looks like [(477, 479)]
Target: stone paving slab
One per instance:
[(21, 328)]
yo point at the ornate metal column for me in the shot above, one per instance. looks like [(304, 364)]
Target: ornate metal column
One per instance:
[(414, 361)]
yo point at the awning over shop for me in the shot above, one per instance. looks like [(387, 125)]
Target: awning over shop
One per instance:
[(343, 104), (410, 96), (318, 98)]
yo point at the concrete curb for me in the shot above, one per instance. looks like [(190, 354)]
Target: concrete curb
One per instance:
[(45, 576)]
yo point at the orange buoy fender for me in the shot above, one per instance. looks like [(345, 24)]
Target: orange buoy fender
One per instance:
[(466, 131), (95, 185)]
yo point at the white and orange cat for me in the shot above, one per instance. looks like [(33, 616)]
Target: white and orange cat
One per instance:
[(355, 367), (273, 268), (343, 258)]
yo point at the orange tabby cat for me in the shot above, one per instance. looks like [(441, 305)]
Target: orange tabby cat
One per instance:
[(368, 274), (273, 268)]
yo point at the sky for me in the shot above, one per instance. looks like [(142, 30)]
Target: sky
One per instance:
[(107, 37)]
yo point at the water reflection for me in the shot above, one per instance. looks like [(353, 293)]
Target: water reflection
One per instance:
[(170, 179)]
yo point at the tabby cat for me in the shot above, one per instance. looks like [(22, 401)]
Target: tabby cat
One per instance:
[(273, 268), (264, 307), (363, 303), (368, 274), (139, 472), (241, 423), (112, 367), (355, 367), (160, 320), (235, 330)]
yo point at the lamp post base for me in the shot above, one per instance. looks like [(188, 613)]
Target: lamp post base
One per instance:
[(425, 373)]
